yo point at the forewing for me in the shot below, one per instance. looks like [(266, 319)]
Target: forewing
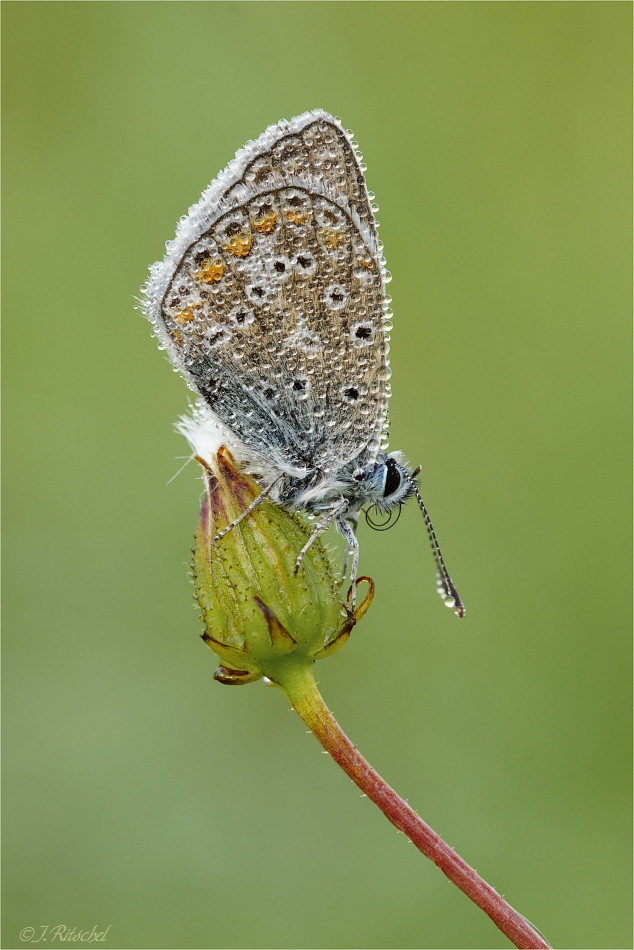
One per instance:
[(271, 299)]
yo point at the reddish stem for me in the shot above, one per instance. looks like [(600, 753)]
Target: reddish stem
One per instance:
[(309, 704)]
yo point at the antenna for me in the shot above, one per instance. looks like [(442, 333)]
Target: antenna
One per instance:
[(446, 588)]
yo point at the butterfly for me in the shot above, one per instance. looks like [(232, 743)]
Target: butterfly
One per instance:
[(271, 301)]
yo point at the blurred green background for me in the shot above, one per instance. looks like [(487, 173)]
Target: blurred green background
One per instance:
[(138, 792)]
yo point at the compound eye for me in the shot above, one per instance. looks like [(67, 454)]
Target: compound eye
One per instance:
[(393, 480)]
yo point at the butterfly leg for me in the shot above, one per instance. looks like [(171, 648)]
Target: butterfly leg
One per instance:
[(247, 511), (320, 527), (347, 530), (353, 521)]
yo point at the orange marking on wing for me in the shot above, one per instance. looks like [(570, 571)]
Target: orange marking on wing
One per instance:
[(178, 336), (295, 217), (183, 316), (266, 224), (239, 245), (211, 273), (366, 262), (333, 238)]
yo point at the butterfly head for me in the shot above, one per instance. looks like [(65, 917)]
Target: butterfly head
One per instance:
[(391, 483)]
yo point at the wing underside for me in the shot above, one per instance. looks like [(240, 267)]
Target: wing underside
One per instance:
[(271, 300)]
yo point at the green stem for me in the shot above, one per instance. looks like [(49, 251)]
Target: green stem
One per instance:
[(307, 701)]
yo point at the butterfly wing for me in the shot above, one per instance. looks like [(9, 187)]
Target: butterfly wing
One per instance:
[(271, 300)]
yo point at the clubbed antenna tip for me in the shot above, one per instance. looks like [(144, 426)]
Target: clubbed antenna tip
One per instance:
[(445, 584)]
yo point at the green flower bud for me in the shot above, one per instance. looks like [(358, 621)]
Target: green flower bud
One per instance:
[(260, 618)]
